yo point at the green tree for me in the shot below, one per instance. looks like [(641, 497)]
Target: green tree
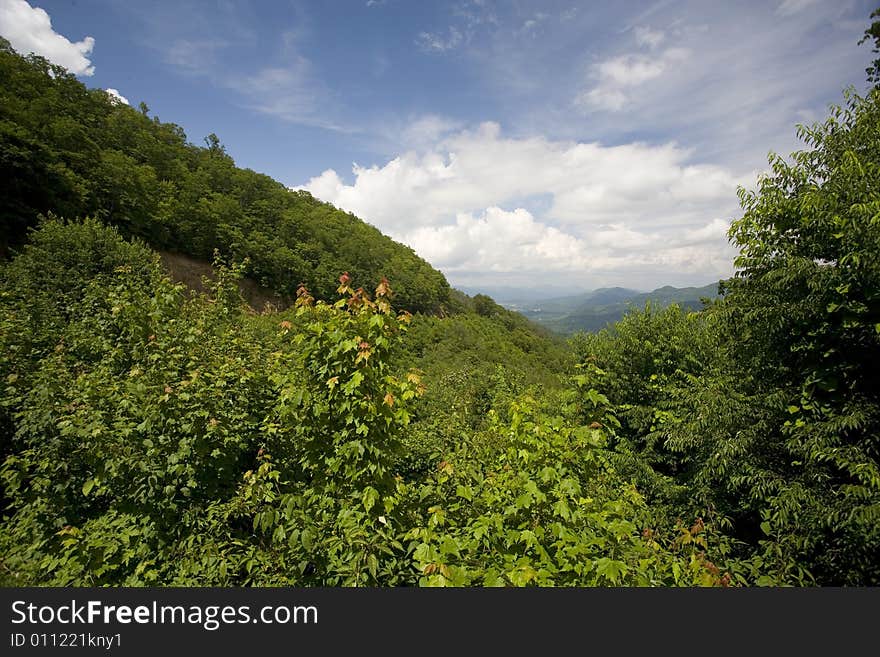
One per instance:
[(873, 34), (801, 425)]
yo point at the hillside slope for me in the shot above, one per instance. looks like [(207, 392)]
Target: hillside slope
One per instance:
[(77, 152)]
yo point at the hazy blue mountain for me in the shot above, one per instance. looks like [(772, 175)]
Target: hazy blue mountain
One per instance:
[(592, 311)]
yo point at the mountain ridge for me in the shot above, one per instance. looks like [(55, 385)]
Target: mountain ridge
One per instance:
[(593, 310), (75, 152)]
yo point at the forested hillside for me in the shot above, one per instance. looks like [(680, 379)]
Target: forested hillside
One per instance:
[(386, 430), (78, 152)]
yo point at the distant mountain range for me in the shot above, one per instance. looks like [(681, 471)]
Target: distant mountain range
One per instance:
[(592, 311)]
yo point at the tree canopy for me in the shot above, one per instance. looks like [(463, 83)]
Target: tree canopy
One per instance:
[(78, 152)]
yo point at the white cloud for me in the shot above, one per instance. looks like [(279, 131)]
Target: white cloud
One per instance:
[(29, 30), (530, 24), (116, 96), (711, 232), (630, 70), (616, 76), (269, 72), (736, 96), (478, 201), (645, 36), (425, 130), (619, 236), (498, 241), (195, 55), (790, 7), (291, 93), (604, 98), (431, 42)]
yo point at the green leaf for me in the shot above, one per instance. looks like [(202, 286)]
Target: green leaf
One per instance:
[(369, 498), (522, 575), (306, 540), (611, 569), (88, 486), (449, 546)]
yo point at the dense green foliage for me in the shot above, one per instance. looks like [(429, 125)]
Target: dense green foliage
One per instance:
[(77, 152), (804, 318), (764, 410), (153, 435), (163, 438)]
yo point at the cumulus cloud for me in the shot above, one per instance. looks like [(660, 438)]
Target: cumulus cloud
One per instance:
[(426, 130), (29, 30), (480, 201), (498, 241), (711, 232), (605, 98), (116, 96), (616, 76)]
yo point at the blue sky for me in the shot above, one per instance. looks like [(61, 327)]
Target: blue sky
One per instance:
[(554, 144)]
